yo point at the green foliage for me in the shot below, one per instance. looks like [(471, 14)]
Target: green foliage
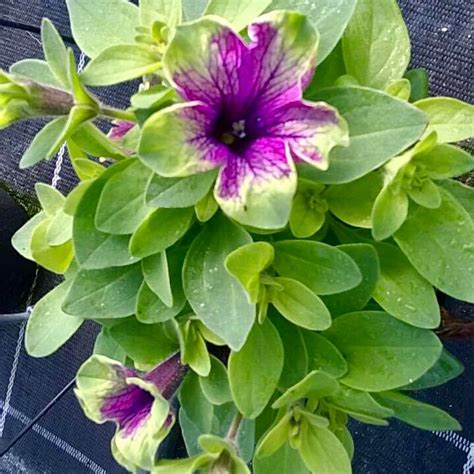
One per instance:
[(97, 26), (380, 127), (446, 259), (330, 17), (208, 286), (239, 14), (154, 261), (259, 362), (376, 44), (381, 352), (49, 327)]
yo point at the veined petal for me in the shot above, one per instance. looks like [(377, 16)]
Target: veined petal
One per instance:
[(283, 52), (177, 141), (139, 443), (109, 391), (310, 129), (203, 61), (256, 188)]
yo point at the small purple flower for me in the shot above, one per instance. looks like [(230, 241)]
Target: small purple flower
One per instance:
[(244, 114), (136, 403), (120, 129)]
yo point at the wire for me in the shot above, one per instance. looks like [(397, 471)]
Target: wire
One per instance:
[(38, 417)]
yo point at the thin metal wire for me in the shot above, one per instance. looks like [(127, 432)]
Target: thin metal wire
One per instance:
[(38, 417)]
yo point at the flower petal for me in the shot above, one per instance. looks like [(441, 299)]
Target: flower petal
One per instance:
[(256, 187), (140, 444), (177, 141), (203, 62), (283, 51), (310, 129)]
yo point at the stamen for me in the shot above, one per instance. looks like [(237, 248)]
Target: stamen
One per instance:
[(238, 129)]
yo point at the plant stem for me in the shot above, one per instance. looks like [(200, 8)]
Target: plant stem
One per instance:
[(114, 113), (234, 427)]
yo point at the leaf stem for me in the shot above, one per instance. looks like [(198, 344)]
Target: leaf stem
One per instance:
[(114, 113), (234, 427)]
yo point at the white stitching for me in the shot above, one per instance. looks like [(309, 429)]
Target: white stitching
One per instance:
[(56, 440)]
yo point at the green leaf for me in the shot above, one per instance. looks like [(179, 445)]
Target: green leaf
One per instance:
[(463, 194), (444, 161), (380, 127), (446, 257), (122, 206), (304, 220), (247, 262), (193, 9), (300, 305), (40, 148), (151, 309), (353, 300), (153, 98), (322, 268), (418, 414), (376, 43), (330, 17), (239, 14), (323, 355), (403, 292), (91, 140), (426, 194), (451, 119), (400, 88), (48, 326), (193, 348), (55, 259), (275, 437), (381, 352), (295, 365), (106, 345), (55, 52), (106, 293), (50, 198), (160, 230), (37, 70), (21, 240), (353, 202), (206, 207), (95, 249), (208, 286), (359, 404), (419, 84), (179, 192), (121, 63), (97, 25), (147, 344), (59, 229), (156, 272), (447, 367), (259, 363), (216, 385), (166, 11), (286, 458), (389, 212), (196, 406), (316, 385), (322, 452)]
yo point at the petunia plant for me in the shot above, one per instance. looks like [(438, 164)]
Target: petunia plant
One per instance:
[(260, 236)]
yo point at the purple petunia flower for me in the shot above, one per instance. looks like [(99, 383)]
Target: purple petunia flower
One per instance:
[(136, 403), (244, 114), (119, 129)]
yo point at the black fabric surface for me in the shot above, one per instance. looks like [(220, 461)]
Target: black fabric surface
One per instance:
[(65, 441)]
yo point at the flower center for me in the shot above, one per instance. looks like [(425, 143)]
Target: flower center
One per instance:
[(129, 408), (232, 133)]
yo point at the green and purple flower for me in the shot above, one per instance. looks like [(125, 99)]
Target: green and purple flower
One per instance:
[(136, 403), (244, 114)]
